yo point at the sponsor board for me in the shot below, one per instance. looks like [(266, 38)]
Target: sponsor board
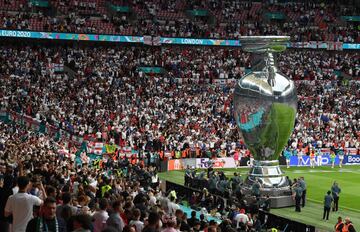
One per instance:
[(351, 46), (193, 41), (352, 159), (227, 162), (175, 164), (320, 160), (191, 162)]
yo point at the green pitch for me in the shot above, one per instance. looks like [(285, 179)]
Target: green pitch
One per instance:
[(319, 181)]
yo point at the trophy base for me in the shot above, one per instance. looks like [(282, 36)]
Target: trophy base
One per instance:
[(273, 183)]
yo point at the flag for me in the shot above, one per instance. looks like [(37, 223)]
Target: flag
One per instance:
[(42, 128), (83, 148), (110, 148), (93, 156), (338, 46), (324, 118), (57, 136), (148, 40), (96, 148), (96, 161), (156, 41)]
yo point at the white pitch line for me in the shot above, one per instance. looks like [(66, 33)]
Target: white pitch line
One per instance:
[(343, 207), (326, 171)]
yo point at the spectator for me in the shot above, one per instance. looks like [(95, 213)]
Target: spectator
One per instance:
[(66, 203), (101, 216), (241, 220), (80, 223), (20, 205), (153, 223), (139, 225), (192, 220), (48, 221), (115, 219)]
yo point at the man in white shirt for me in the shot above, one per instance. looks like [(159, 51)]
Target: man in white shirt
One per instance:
[(101, 216), (172, 206), (241, 219), (20, 205), (136, 222)]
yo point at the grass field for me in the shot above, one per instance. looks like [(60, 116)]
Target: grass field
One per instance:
[(319, 181)]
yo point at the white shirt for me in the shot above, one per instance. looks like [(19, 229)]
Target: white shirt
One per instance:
[(173, 207), (241, 218), (21, 206), (100, 218), (138, 224), (152, 200)]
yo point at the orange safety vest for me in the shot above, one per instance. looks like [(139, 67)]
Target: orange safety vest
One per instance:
[(197, 151), (346, 227), (133, 159), (337, 226), (161, 155), (184, 153), (306, 149)]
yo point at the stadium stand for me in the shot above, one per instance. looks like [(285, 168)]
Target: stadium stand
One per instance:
[(205, 19), (106, 95), (64, 105)]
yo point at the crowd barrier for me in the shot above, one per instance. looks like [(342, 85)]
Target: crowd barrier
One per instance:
[(149, 40), (272, 220)]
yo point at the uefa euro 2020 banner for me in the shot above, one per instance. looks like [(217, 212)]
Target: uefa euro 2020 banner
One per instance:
[(70, 36), (161, 40)]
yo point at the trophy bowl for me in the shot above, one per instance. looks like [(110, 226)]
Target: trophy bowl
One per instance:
[(265, 104)]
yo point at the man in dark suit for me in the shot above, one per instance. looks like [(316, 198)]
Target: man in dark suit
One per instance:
[(335, 190), (303, 186), (328, 199), (298, 191)]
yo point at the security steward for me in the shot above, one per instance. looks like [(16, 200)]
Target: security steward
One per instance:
[(339, 225), (348, 226)]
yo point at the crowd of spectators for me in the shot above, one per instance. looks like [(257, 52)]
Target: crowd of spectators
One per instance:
[(225, 19), (119, 197), (314, 65), (107, 97), (104, 95), (40, 188)]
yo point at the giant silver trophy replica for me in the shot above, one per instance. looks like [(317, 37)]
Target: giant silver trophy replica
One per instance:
[(265, 105)]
